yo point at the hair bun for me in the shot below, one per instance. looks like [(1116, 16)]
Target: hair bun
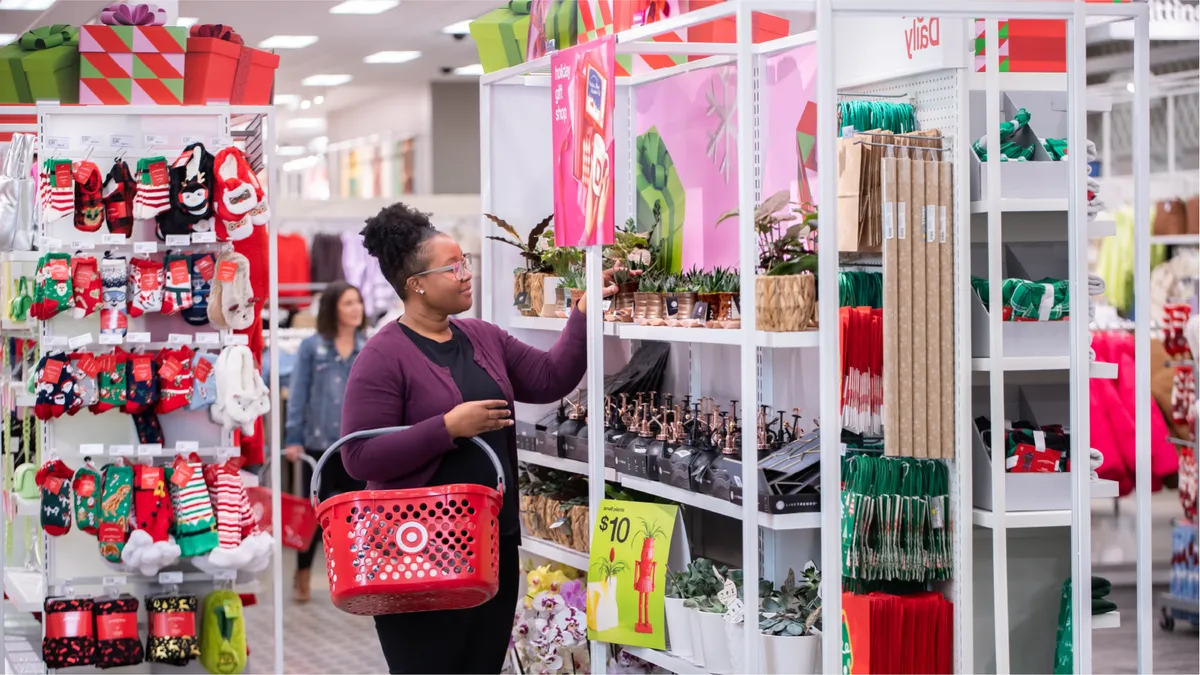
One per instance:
[(394, 237)]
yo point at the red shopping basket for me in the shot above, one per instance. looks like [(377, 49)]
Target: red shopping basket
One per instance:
[(412, 550), (298, 518)]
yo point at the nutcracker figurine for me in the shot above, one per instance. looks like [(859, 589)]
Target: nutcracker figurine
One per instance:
[(643, 583)]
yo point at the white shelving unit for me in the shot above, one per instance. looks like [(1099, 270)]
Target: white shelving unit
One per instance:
[(551, 551)]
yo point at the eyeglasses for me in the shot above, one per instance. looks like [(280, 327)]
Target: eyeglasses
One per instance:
[(461, 269)]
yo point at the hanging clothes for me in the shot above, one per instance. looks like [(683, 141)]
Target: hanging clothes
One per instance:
[(1115, 262), (293, 269), (326, 259), (362, 270)]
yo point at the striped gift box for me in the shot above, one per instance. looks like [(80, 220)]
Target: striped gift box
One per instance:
[(1026, 46), (123, 65)]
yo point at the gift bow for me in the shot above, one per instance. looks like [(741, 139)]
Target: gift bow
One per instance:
[(217, 31), (49, 36), (121, 14)]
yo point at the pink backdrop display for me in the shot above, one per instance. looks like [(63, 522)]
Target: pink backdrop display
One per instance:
[(790, 125)]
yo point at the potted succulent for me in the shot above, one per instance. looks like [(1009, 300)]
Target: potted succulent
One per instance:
[(698, 585), (717, 656), (648, 301), (790, 622), (719, 290), (559, 262), (528, 285), (678, 623), (572, 282), (623, 303), (785, 288), (735, 630)]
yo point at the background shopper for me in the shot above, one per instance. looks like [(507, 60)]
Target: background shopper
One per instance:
[(314, 414)]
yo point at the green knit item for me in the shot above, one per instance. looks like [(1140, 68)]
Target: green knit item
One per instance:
[(87, 485), (51, 297), (223, 634), (1023, 298), (1008, 147), (115, 507), (195, 524), (1056, 148)]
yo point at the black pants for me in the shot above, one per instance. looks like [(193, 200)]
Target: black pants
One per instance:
[(471, 640), (334, 481)]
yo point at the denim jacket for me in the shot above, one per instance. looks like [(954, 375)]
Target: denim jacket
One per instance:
[(318, 385)]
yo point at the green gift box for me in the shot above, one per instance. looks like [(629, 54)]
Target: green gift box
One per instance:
[(500, 36), (50, 61), (562, 23), (14, 86), (661, 197)]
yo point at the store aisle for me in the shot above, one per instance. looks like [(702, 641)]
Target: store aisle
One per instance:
[(1116, 649)]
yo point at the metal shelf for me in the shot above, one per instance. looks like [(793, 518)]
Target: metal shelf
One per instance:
[(560, 463), (552, 551), (1023, 519), (1106, 620), (666, 660), (1099, 369), (708, 336), (1176, 239), (1014, 205)]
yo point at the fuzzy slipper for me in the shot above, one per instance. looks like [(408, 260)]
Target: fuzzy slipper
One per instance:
[(230, 304)]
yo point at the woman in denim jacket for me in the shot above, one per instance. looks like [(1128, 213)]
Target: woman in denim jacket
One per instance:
[(314, 413)]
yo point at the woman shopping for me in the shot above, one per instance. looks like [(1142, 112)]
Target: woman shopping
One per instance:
[(314, 413), (449, 379)]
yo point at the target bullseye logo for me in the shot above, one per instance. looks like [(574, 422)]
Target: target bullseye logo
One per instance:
[(412, 537)]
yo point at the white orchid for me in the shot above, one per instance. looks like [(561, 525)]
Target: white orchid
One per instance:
[(548, 601)]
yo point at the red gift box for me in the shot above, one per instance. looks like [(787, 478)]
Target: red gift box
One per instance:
[(255, 78), (210, 67), (764, 27)]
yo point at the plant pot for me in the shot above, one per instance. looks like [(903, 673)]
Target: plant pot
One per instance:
[(576, 294), (800, 655), (696, 635), (710, 299), (785, 303), (687, 303), (531, 516), (550, 299), (725, 309), (656, 308), (679, 628), (602, 604), (735, 635), (714, 643), (552, 513), (639, 306)]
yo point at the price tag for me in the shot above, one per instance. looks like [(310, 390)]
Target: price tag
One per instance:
[(149, 450), (225, 575), (121, 141), (91, 449), (189, 140), (57, 142), (179, 240), (235, 339), (179, 339), (170, 578), (93, 141), (848, 131), (52, 242), (218, 143), (227, 271), (187, 446), (225, 452), (145, 247), (111, 339), (112, 239), (57, 341), (208, 338), (80, 245), (120, 450), (137, 338), (115, 581), (204, 237), (80, 341), (154, 139)]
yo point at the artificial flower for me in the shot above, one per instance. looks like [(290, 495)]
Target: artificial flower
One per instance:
[(548, 601), (574, 594)]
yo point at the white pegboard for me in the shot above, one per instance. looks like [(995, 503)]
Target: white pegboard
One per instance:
[(934, 97)]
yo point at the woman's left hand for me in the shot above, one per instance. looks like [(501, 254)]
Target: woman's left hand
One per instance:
[(609, 290)]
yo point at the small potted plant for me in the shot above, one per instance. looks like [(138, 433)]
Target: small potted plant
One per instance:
[(678, 623), (572, 283), (528, 287), (790, 621), (699, 584), (648, 301), (719, 290)]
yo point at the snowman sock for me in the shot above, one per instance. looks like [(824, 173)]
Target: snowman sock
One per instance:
[(153, 188), (114, 307), (142, 383), (86, 286), (177, 296), (148, 428), (59, 196), (55, 386), (119, 191), (204, 385), (84, 368), (110, 382), (146, 280), (204, 267), (151, 506), (54, 478), (195, 526), (53, 287), (231, 304), (115, 506), (89, 207), (174, 379), (86, 484)]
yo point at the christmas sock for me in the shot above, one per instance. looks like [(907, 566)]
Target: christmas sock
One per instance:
[(119, 191), (204, 386), (168, 610), (86, 286), (143, 383), (59, 200), (174, 379), (53, 287), (84, 368), (89, 207), (231, 304), (114, 311), (195, 526), (68, 641), (86, 484), (233, 196), (203, 267), (115, 505), (111, 381), (151, 504), (223, 633), (55, 386), (117, 641), (224, 489), (191, 178), (54, 479), (153, 188), (146, 280), (177, 296), (149, 429)]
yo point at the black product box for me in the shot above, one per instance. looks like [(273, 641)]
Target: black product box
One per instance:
[(803, 502), (574, 447), (610, 455), (527, 435), (636, 460), (688, 469), (789, 479), (546, 442)]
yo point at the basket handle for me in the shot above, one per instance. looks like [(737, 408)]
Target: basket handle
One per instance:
[(372, 433), (264, 472)]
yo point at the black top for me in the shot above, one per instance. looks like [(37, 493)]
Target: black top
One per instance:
[(467, 463)]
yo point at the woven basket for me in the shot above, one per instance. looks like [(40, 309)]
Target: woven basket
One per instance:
[(786, 303), (551, 513), (528, 282), (531, 516), (580, 532), (548, 306)]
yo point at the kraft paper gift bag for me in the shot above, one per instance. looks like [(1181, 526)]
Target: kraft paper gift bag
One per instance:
[(904, 303), (933, 311), (917, 238), (946, 225), (891, 369)]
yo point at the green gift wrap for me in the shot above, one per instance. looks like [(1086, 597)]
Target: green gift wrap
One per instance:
[(658, 184), (562, 23), (14, 87), (50, 62), (500, 36)]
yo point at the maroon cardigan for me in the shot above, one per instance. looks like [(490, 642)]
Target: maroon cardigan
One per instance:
[(393, 383)]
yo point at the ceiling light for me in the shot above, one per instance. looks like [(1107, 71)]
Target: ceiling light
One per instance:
[(6, 38), (186, 21), (290, 150), (364, 6), (288, 42), (326, 80), (318, 100), (305, 104), (460, 28), (1130, 88), (25, 4), (306, 123), (475, 69), (392, 57), (287, 99)]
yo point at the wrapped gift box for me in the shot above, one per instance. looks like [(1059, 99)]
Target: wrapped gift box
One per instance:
[(501, 37), (254, 81), (1026, 46), (158, 79), (43, 65), (764, 27), (123, 65), (212, 64), (14, 86)]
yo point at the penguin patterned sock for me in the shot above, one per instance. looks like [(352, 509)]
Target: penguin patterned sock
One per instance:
[(115, 505), (68, 629), (117, 641), (191, 179), (86, 286), (54, 479), (174, 379), (110, 382), (119, 191), (84, 368), (143, 383), (153, 188), (204, 385), (177, 296), (146, 280), (87, 485), (114, 308), (204, 267)]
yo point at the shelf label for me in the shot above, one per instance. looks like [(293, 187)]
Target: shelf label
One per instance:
[(234, 339), (225, 452), (179, 240), (120, 450), (204, 237), (165, 578), (145, 247), (225, 575), (189, 140), (149, 450), (179, 339), (51, 242), (632, 544), (115, 581), (218, 143), (111, 339), (91, 449), (187, 446), (113, 239), (208, 338), (80, 341), (93, 141), (80, 245), (58, 143), (137, 338), (121, 140), (154, 139), (57, 341)]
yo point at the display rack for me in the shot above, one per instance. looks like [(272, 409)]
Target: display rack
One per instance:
[(103, 133)]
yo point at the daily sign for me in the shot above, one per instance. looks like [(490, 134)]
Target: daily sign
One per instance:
[(925, 33)]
